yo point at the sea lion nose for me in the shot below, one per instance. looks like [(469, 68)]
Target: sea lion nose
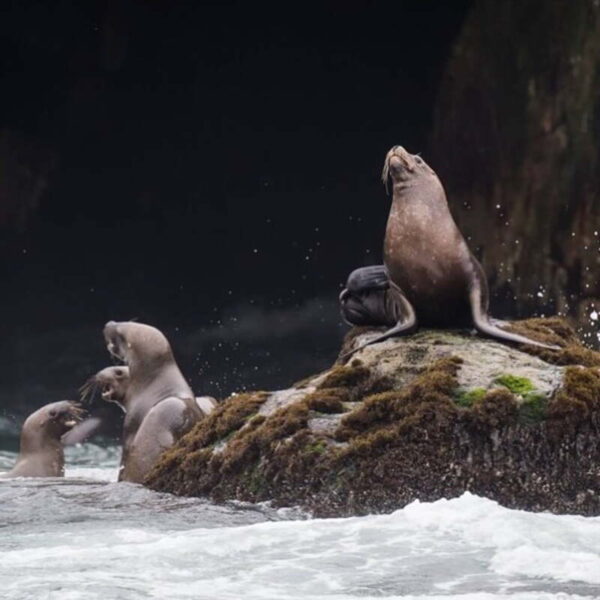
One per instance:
[(109, 327)]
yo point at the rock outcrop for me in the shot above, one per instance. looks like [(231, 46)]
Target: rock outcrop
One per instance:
[(422, 417)]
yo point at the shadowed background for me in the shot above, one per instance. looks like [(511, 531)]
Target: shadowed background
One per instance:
[(213, 169)]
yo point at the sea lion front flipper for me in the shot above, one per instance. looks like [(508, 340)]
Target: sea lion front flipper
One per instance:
[(483, 324), (406, 320), (82, 431)]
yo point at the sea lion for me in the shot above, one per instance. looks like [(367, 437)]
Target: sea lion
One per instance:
[(366, 299), (434, 280), (160, 406), (41, 451), (112, 383)]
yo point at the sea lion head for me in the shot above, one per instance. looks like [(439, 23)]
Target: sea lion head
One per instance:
[(402, 167), (55, 419), (137, 344), (111, 382)]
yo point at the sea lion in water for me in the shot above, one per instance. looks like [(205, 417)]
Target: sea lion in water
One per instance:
[(41, 450), (160, 406), (112, 384), (433, 278)]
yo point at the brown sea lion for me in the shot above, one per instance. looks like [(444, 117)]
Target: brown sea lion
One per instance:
[(160, 406), (434, 279), (41, 451), (112, 383)]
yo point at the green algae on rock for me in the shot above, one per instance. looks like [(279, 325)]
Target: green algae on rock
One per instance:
[(421, 417)]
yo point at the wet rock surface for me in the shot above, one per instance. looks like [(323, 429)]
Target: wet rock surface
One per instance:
[(428, 416)]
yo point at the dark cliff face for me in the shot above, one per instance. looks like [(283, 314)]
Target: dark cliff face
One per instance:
[(422, 417), (515, 140)]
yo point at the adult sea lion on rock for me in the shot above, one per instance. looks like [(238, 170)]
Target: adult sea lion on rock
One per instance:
[(160, 406), (433, 279), (41, 450)]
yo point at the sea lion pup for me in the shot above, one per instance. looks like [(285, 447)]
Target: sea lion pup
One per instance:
[(434, 280), (160, 406), (41, 451)]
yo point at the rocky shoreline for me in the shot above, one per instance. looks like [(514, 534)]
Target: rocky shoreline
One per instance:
[(427, 416)]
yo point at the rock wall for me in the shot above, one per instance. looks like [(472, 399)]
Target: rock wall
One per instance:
[(516, 142)]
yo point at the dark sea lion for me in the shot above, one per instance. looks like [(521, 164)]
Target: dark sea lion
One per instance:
[(366, 299), (434, 279), (41, 451), (160, 406)]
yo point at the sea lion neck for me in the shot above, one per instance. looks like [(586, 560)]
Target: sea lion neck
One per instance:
[(143, 364), (424, 188), (164, 380)]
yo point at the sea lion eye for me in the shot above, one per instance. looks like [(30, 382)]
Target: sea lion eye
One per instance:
[(119, 373), (418, 160), (53, 413)]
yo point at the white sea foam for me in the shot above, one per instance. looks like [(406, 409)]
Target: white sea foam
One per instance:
[(108, 540)]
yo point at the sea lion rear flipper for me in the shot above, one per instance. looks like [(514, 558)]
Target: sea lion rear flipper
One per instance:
[(406, 321), (482, 322)]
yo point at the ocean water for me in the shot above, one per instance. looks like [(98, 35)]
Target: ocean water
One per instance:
[(88, 537)]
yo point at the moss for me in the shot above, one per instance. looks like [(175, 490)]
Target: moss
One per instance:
[(434, 385), (345, 376), (317, 447), (516, 384), (578, 397), (498, 408), (328, 401), (467, 398), (534, 407), (558, 332)]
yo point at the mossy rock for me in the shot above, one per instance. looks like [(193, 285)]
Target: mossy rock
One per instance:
[(422, 417)]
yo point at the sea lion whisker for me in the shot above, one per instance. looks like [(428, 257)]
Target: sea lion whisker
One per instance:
[(89, 389)]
